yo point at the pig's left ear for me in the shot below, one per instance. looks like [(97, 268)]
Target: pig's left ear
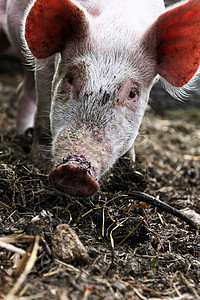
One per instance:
[(176, 35), (51, 23)]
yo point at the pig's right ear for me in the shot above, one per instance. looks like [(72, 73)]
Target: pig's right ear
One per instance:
[(51, 23), (176, 42)]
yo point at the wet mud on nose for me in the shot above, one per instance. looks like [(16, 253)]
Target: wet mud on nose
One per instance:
[(75, 177)]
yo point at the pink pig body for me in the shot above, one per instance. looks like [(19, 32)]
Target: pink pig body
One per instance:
[(94, 65)]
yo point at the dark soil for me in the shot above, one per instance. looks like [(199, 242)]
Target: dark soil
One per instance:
[(159, 260)]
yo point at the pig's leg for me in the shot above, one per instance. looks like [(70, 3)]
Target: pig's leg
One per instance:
[(4, 43), (41, 149), (26, 103)]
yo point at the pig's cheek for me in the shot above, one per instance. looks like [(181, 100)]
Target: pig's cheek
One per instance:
[(132, 105)]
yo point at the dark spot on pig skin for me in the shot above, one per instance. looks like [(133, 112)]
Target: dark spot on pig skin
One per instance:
[(105, 98), (65, 100), (84, 171), (44, 44), (63, 168)]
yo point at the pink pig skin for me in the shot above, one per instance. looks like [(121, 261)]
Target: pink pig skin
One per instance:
[(89, 68)]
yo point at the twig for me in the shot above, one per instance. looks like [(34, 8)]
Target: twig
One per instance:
[(190, 287), (11, 248), (136, 227), (27, 270), (17, 238), (103, 222), (4, 206), (164, 207)]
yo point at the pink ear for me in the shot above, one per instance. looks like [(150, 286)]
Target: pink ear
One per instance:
[(50, 24), (178, 43)]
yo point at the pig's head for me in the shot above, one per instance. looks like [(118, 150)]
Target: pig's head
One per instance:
[(105, 65)]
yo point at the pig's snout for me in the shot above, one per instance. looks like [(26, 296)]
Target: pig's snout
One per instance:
[(75, 176)]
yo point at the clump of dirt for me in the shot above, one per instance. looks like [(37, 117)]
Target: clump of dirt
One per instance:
[(135, 250)]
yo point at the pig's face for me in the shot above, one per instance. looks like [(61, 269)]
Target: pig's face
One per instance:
[(98, 101), (107, 55)]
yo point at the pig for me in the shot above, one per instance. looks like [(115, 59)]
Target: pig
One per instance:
[(89, 68)]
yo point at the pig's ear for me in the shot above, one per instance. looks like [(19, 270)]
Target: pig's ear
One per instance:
[(51, 23), (176, 34)]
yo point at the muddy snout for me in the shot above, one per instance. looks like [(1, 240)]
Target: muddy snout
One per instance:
[(75, 176)]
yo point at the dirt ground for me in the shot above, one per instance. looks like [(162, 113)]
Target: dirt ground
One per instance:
[(130, 250)]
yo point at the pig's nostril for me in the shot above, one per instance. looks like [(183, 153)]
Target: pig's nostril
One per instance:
[(74, 179), (64, 167)]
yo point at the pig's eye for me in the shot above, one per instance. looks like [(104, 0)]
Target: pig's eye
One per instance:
[(133, 94), (128, 95)]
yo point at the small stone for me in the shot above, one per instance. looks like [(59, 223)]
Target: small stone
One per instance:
[(66, 245)]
